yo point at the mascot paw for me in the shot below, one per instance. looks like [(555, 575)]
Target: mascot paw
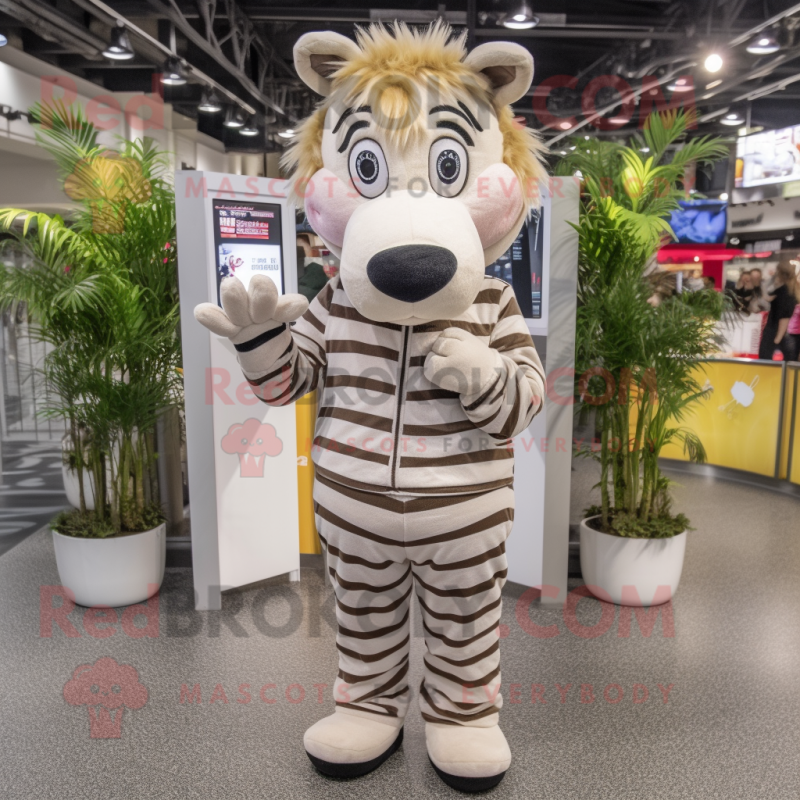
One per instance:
[(347, 745), (460, 362), (468, 759), (249, 313)]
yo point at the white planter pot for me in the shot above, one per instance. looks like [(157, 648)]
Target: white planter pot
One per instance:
[(631, 572), (73, 489), (118, 571)]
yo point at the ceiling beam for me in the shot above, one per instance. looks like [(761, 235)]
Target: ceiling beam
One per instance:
[(52, 25), (214, 51), (109, 15), (581, 33)]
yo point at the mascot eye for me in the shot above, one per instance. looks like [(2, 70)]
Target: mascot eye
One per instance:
[(368, 169), (447, 167)]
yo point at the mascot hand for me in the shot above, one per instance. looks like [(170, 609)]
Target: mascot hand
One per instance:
[(460, 362), (248, 313)]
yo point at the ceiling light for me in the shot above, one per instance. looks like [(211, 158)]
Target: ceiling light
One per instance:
[(234, 118), (732, 119), (723, 196), (697, 258), (682, 84), (210, 103), (713, 62), (763, 44), (119, 47), (174, 74), (711, 85), (644, 149), (790, 237), (3, 40), (249, 130), (287, 134), (520, 18)]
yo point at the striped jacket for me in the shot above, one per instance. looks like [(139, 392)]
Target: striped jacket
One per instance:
[(382, 425)]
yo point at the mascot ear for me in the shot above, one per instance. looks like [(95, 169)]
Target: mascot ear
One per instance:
[(318, 54), (508, 66)]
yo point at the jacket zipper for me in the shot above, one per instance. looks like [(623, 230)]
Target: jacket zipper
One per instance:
[(400, 395)]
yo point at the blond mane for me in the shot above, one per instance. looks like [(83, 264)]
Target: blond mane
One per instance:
[(395, 69)]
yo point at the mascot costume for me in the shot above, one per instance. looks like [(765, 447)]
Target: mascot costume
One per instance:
[(414, 172)]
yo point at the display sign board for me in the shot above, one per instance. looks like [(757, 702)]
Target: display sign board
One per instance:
[(546, 272), (242, 454)]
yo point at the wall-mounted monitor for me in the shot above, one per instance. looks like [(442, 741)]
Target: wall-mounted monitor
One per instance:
[(768, 157), (247, 241), (700, 221)]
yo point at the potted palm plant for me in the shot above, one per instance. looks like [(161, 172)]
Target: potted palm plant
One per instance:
[(638, 348), (102, 290)]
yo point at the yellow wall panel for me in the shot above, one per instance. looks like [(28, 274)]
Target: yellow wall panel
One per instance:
[(306, 419), (738, 421)]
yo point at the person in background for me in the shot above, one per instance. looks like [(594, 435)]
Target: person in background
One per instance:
[(743, 293), (709, 282), (759, 301), (782, 303), (312, 278), (793, 331)]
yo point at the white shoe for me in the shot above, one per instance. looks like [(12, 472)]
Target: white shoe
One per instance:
[(468, 759), (346, 745)]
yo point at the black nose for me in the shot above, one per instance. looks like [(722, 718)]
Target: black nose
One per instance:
[(411, 272)]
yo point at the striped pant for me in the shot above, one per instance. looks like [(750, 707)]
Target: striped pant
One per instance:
[(452, 548)]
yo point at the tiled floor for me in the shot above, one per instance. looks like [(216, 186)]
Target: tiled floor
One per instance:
[(717, 717), (32, 490)]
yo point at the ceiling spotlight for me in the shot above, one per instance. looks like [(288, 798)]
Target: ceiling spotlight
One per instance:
[(713, 62), (732, 119), (790, 237), (565, 126), (520, 17), (287, 134), (723, 196), (763, 44), (119, 47), (3, 40), (682, 84), (249, 130), (210, 103), (234, 118), (174, 74)]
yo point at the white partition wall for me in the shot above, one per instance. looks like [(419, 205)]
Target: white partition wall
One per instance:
[(538, 548), (242, 454)]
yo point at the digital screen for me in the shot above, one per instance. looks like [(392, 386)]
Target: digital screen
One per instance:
[(247, 241), (768, 157), (521, 266), (700, 221)]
